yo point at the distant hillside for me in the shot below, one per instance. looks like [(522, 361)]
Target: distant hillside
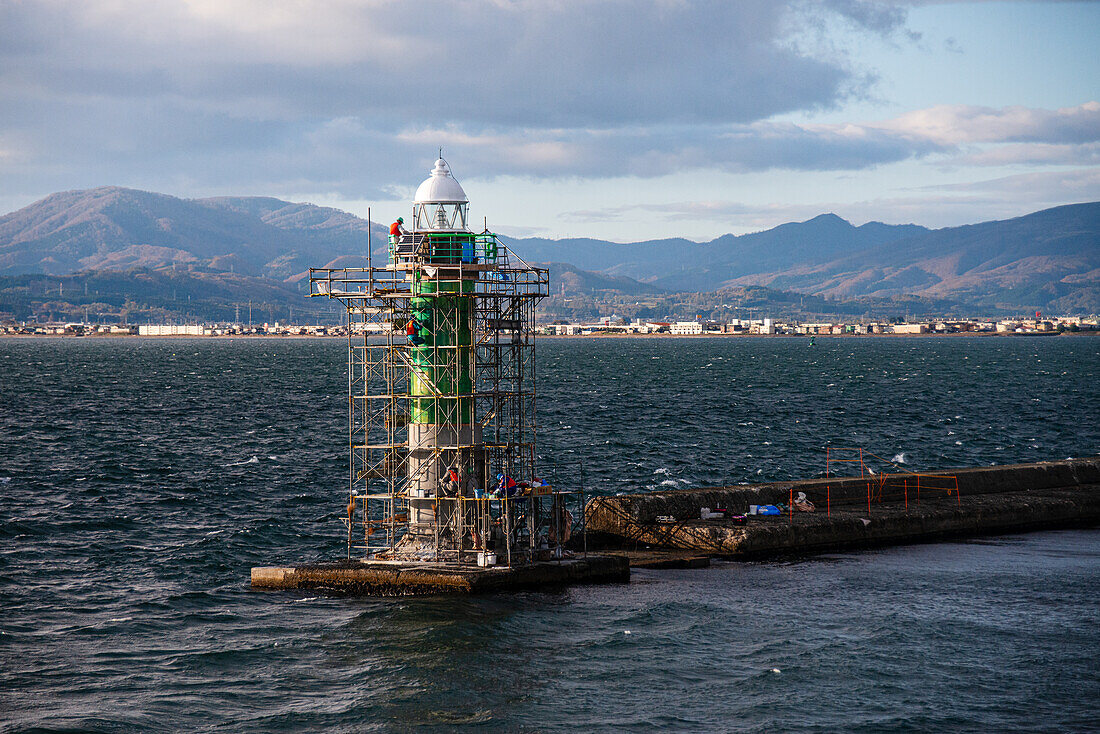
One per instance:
[(1049, 260), (170, 294), (116, 228), (163, 295), (820, 239), (737, 303), (570, 280), (682, 265), (140, 295)]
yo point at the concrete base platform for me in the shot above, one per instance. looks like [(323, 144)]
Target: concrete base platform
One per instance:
[(363, 578)]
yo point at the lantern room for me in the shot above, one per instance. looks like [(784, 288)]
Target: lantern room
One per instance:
[(440, 203)]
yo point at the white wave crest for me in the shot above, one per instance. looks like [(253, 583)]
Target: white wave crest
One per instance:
[(253, 460)]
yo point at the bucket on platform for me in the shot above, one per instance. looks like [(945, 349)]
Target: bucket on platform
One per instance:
[(485, 558)]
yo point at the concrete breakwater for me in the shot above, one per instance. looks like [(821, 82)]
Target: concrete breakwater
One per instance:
[(856, 512)]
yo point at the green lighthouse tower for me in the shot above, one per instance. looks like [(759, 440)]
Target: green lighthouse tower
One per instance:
[(441, 393), (442, 434)]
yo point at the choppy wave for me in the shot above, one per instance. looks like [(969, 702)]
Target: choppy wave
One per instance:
[(253, 460), (126, 603)]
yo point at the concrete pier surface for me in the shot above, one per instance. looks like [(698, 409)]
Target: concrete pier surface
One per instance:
[(855, 512), (384, 578)]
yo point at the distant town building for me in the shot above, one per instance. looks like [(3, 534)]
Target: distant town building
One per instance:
[(910, 328), (687, 328), (172, 330)]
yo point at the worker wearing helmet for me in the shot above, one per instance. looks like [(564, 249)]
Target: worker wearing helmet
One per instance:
[(506, 486), (397, 234)]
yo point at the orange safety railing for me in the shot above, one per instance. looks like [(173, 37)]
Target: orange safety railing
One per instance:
[(883, 484)]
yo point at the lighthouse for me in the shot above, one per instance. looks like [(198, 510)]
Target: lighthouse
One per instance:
[(446, 456), (444, 493), (441, 366)]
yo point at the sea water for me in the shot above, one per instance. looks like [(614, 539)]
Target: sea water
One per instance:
[(141, 479)]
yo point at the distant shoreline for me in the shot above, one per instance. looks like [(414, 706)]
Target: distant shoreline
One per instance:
[(605, 335), (602, 335)]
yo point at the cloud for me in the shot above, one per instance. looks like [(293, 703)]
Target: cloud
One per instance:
[(885, 17), (1034, 154), (738, 215), (937, 206), (249, 93), (351, 97), (954, 124), (579, 62), (657, 151), (970, 135), (1076, 185)]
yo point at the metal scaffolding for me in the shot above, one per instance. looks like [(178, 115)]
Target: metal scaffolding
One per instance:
[(441, 403)]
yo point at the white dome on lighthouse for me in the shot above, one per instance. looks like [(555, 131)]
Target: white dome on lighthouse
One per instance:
[(440, 188)]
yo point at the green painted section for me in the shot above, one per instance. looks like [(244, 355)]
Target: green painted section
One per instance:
[(442, 350)]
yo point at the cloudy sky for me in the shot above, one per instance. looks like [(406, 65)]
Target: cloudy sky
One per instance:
[(606, 118)]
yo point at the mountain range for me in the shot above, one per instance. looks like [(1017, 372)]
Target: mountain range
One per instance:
[(1048, 260), (113, 228)]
